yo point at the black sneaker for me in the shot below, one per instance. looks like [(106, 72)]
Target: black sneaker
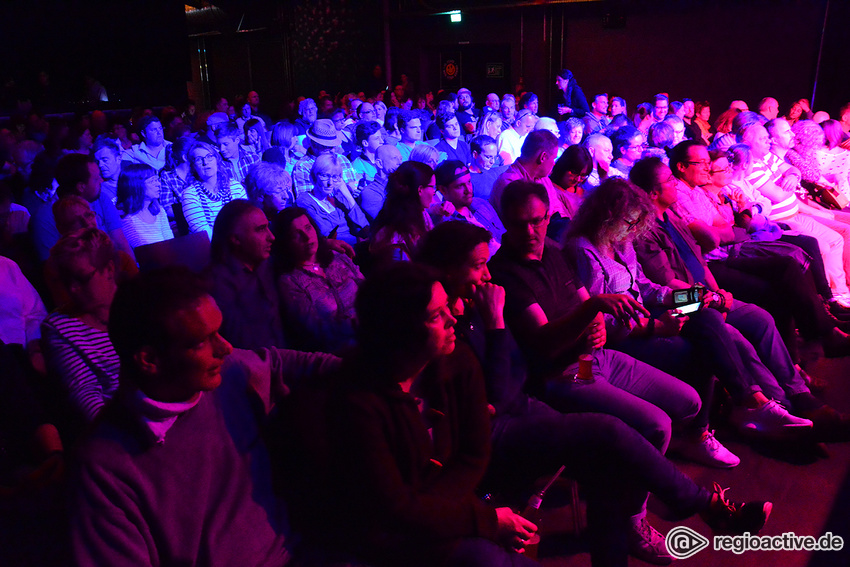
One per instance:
[(734, 517)]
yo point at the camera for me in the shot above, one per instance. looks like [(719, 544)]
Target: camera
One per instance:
[(688, 300)]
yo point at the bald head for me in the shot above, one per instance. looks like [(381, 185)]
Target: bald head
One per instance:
[(769, 108), (387, 159)]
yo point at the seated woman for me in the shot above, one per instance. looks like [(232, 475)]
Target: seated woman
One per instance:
[(569, 173), (284, 143), (573, 131), (427, 154), (410, 431), (76, 345), (530, 101), (319, 284), (530, 439), (211, 189), (145, 221), (331, 204), (269, 187), (692, 348), (256, 137), (405, 217)]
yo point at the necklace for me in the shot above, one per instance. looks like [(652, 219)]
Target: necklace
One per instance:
[(312, 266)]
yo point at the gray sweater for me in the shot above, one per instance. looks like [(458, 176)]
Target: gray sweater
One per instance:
[(203, 496)]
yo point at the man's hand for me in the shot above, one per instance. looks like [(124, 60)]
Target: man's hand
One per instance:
[(490, 300), (597, 334), (514, 530), (619, 305), (444, 209)]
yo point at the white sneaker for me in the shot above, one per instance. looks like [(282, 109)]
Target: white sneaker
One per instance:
[(708, 451), (647, 544), (769, 419)]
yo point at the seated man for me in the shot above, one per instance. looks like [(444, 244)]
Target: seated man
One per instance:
[(242, 281), (555, 320), (236, 160), (467, 114), (410, 127), (78, 175), (602, 151), (510, 140), (451, 142), (308, 111), (368, 138), (535, 163), (177, 471), (455, 184), (483, 169), (507, 111), (107, 154), (387, 160), (153, 147), (597, 119)]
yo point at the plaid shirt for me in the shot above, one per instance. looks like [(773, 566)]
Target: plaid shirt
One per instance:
[(301, 174), (243, 164), (172, 187)]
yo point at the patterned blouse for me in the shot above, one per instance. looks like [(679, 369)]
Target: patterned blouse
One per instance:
[(319, 310)]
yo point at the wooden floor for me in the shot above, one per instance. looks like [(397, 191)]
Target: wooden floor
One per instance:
[(810, 490)]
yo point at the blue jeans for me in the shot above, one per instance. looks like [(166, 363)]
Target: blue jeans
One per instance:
[(644, 397), (764, 353)]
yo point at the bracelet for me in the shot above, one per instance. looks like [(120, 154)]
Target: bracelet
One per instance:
[(650, 327)]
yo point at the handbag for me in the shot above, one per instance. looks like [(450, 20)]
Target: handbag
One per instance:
[(826, 195)]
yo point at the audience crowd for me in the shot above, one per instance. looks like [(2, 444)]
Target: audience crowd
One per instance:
[(321, 341)]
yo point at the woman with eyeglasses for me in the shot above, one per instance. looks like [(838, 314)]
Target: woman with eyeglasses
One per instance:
[(211, 190), (331, 204), (694, 348), (628, 143), (568, 175)]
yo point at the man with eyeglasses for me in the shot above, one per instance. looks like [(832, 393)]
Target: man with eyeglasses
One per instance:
[(628, 144), (484, 170), (660, 107), (555, 321), (510, 141)]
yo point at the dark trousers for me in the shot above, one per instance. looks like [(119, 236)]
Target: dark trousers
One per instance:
[(614, 463)]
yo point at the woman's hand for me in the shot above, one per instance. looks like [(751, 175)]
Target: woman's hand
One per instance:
[(490, 300), (564, 110), (669, 325), (513, 530), (619, 305)]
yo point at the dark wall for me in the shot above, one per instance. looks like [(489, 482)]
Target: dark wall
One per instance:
[(717, 50), (136, 48)]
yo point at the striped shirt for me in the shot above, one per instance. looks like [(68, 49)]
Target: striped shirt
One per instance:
[(144, 228), (765, 171), (84, 360), (200, 208)]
